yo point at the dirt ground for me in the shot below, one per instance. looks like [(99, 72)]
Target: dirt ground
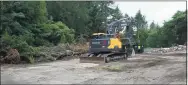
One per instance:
[(169, 68)]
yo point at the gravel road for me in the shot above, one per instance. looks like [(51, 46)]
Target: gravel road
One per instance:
[(169, 68)]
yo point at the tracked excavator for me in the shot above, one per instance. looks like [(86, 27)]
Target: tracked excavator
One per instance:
[(115, 44)]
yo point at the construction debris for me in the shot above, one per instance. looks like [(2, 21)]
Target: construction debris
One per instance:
[(171, 49), (12, 57)]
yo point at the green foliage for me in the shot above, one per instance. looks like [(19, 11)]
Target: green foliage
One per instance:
[(140, 20), (84, 17), (16, 42), (57, 32), (73, 14), (25, 24), (41, 42), (142, 36), (152, 25), (173, 32), (29, 39), (37, 11), (98, 13), (116, 14), (152, 38)]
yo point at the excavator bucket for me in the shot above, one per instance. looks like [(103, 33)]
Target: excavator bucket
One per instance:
[(92, 59)]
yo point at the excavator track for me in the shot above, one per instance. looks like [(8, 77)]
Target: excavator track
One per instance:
[(102, 58)]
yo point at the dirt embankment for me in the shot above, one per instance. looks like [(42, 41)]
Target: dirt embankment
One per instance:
[(169, 68)]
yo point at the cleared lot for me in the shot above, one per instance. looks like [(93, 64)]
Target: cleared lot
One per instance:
[(142, 69)]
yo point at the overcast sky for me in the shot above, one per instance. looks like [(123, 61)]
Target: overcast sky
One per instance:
[(157, 11)]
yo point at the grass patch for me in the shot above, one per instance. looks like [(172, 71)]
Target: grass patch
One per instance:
[(31, 59)]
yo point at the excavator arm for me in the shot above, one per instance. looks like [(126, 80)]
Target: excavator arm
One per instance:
[(118, 26)]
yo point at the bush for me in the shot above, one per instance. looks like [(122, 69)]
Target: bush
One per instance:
[(48, 34), (57, 33), (28, 38), (41, 42), (18, 42), (15, 42)]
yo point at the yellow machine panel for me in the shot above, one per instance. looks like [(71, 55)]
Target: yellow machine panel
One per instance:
[(114, 42)]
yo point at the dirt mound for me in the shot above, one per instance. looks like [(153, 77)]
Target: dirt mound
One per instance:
[(12, 57)]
